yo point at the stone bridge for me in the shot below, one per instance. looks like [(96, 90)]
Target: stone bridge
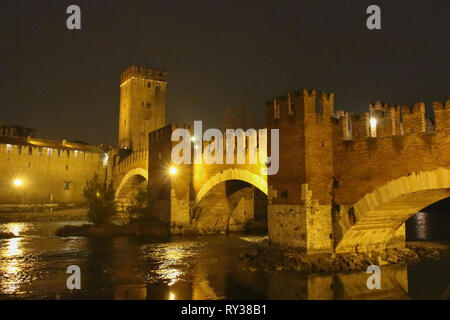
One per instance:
[(130, 172), (346, 182), (357, 177)]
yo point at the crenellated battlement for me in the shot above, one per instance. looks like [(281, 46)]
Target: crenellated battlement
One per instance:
[(442, 115), (384, 120), (143, 72), (301, 103)]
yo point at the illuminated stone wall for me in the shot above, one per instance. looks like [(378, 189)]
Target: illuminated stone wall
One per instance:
[(142, 106), (367, 172), (46, 178)]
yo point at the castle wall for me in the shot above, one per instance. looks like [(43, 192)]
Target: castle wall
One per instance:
[(47, 177)]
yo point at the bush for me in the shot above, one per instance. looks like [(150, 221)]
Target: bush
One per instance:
[(100, 198)]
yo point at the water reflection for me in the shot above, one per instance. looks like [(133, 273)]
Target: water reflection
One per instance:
[(34, 265), (11, 268)]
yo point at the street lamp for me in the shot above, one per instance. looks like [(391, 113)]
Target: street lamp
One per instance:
[(18, 182), (373, 122), (173, 171)]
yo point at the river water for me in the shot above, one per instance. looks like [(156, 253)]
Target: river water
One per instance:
[(34, 265)]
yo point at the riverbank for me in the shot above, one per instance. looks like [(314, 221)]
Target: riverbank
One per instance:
[(74, 214), (57, 215), (277, 259), (155, 230)]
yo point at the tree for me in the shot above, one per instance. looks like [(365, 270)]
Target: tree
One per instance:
[(100, 198), (138, 207)]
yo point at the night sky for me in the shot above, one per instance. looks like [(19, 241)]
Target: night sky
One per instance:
[(218, 54)]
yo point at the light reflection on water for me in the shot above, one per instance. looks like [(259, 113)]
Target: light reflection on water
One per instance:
[(428, 226), (12, 268), (34, 264)]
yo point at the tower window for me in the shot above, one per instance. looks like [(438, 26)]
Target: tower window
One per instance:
[(66, 185), (149, 84)]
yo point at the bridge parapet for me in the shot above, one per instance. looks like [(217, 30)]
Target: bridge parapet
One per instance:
[(442, 115), (385, 120), (137, 158)]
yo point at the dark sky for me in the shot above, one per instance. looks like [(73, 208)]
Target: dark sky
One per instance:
[(218, 54)]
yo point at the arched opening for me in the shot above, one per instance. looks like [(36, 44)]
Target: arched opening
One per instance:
[(232, 206), (431, 223), (132, 182), (379, 218)]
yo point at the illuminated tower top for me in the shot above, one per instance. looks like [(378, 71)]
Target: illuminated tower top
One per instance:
[(142, 105)]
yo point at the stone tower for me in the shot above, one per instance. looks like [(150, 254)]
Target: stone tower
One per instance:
[(142, 106)]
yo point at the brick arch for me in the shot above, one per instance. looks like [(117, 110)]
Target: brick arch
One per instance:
[(137, 171), (379, 214), (252, 178)]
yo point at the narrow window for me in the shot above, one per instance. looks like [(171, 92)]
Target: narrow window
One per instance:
[(8, 148), (20, 150), (40, 151), (66, 185), (30, 151)]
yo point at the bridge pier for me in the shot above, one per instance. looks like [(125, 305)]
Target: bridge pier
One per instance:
[(307, 226)]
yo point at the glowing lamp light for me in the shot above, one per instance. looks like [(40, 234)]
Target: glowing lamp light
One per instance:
[(192, 138), (173, 171), (18, 182), (373, 122)]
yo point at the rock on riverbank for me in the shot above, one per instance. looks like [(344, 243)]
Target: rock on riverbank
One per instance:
[(271, 258)]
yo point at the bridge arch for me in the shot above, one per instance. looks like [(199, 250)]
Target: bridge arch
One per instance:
[(379, 214), (252, 178), (134, 178)]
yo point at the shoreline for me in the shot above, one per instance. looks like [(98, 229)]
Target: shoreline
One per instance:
[(57, 215), (60, 215), (282, 259)]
